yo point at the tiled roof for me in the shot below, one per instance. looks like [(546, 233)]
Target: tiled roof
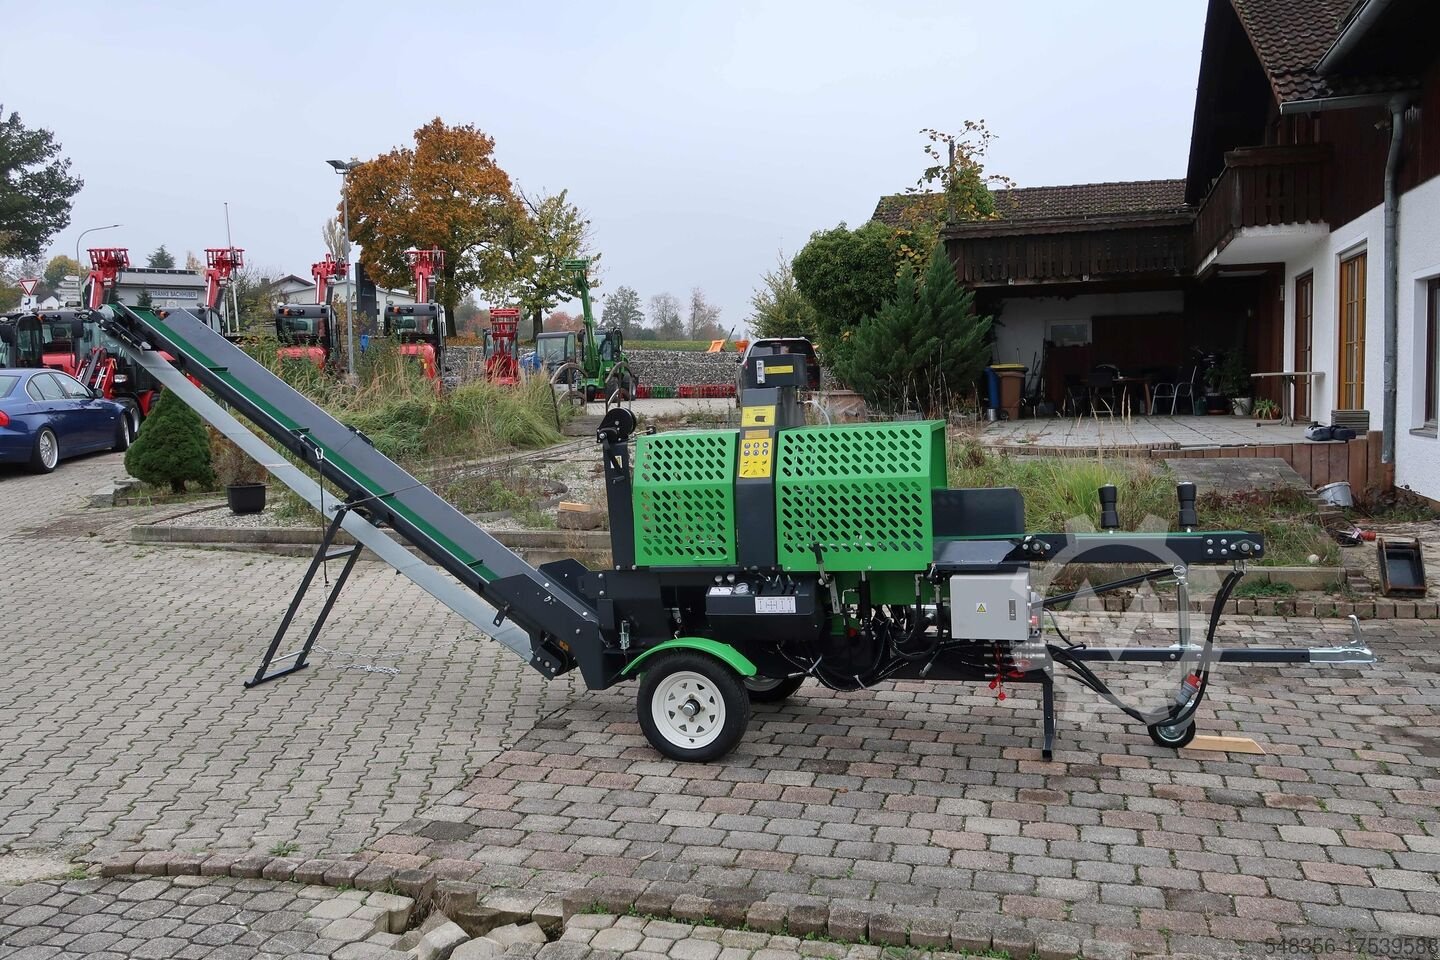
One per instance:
[(1290, 37), (1128, 197)]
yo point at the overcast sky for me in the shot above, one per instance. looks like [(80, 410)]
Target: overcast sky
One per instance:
[(700, 137)]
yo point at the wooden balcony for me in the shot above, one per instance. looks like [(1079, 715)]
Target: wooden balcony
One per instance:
[(1262, 187), (1003, 254)]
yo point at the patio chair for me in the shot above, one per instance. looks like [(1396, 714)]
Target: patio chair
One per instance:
[(1101, 389), (1077, 397), (1175, 391)]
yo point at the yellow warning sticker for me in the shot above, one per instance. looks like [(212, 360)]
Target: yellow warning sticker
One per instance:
[(980, 608), (779, 368), (758, 416)]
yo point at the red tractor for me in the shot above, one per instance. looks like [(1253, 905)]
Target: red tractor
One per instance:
[(502, 363), (419, 327), (307, 331)]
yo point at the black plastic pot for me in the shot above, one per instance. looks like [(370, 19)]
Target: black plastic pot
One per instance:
[(246, 497)]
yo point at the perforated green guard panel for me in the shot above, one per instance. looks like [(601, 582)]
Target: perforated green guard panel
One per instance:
[(684, 492), (862, 492)]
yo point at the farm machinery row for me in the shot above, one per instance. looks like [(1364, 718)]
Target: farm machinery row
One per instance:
[(74, 341), (745, 561)]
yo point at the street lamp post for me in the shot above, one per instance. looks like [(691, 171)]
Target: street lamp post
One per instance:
[(79, 279), (343, 168)]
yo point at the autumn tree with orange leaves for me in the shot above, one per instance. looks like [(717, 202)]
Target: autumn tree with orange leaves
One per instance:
[(448, 192)]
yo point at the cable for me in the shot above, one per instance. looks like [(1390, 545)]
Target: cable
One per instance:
[(1174, 714)]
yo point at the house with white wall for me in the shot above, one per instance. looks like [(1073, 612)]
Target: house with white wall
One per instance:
[(1304, 237)]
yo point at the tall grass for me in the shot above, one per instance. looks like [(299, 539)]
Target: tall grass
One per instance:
[(1061, 493), (409, 420)]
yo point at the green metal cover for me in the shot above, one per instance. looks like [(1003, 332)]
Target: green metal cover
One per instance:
[(684, 495), (861, 491)]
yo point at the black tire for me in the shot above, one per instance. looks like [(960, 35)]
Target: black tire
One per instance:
[(132, 410), (123, 433), (1166, 735), (678, 680), (46, 455), (772, 689)]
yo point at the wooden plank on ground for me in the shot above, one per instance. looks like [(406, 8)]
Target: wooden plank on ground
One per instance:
[(1224, 745)]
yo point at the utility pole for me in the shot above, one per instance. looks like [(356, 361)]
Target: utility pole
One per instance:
[(343, 168)]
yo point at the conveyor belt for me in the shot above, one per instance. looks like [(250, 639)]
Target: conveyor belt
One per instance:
[(375, 487)]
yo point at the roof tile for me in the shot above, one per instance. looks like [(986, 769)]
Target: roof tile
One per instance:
[(1290, 37), (1064, 202)]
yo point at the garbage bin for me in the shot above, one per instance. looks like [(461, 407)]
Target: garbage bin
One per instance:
[(1007, 385)]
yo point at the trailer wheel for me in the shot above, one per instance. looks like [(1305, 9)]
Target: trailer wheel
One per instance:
[(692, 707), (1169, 735), (772, 689)]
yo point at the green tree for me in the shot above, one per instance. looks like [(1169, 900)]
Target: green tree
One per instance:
[(923, 347), (779, 308), (845, 275), (172, 447), (59, 267), (161, 259), (144, 302), (622, 311), (36, 188), (545, 231)]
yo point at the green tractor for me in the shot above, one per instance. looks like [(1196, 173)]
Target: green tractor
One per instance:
[(593, 363)]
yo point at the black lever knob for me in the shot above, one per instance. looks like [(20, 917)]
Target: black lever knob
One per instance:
[(1185, 492), (1109, 516)]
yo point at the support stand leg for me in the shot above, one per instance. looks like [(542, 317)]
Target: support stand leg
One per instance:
[(299, 657), (1047, 709)]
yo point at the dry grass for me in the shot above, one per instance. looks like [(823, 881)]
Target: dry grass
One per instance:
[(1060, 493)]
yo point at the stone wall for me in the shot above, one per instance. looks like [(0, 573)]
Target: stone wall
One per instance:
[(668, 368)]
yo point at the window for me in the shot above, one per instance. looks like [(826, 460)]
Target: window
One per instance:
[(48, 386), (1432, 333), (73, 388), (1351, 342), (1068, 333), (7, 383)]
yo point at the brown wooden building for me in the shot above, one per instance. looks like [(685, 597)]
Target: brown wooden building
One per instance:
[(1262, 247)]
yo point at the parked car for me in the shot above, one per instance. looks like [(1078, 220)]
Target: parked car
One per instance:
[(47, 416)]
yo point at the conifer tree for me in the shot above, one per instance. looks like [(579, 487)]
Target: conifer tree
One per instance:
[(172, 447)]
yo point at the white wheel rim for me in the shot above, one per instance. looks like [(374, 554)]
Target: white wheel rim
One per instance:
[(688, 710), (132, 424), (763, 684), (48, 450)]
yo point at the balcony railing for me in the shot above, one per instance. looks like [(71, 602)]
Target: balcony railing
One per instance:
[(1100, 253), (1262, 186)]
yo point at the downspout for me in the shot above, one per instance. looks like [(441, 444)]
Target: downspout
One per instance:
[(1392, 279)]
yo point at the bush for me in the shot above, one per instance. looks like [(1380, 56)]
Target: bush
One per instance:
[(923, 348), (172, 448)]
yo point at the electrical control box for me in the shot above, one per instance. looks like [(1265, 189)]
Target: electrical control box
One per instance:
[(993, 607)]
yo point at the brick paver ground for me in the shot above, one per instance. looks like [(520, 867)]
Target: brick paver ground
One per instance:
[(191, 917), (123, 725)]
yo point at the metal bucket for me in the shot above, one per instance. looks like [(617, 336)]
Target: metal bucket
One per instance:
[(1337, 494)]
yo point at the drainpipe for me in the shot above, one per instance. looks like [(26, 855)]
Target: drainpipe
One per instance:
[(1392, 279)]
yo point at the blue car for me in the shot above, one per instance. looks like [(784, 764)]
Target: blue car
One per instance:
[(46, 416)]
